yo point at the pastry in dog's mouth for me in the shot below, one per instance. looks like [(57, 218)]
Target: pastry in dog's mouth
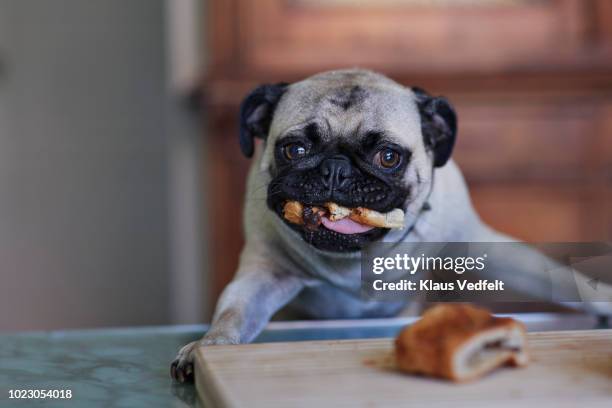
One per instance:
[(340, 219)]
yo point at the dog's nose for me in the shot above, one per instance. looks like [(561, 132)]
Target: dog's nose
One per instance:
[(335, 171)]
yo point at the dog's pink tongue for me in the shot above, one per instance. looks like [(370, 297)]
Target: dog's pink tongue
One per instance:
[(345, 226)]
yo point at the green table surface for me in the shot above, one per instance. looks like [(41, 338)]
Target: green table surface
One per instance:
[(120, 367), (130, 367)]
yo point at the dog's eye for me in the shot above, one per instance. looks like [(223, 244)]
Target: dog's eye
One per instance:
[(294, 151), (387, 158)]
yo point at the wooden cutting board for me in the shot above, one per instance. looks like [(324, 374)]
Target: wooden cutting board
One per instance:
[(567, 369)]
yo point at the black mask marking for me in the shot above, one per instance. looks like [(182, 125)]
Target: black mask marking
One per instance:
[(340, 174)]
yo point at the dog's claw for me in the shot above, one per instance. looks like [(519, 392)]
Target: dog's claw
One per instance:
[(181, 369)]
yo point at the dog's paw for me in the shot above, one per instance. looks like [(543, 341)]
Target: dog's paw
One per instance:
[(181, 369)]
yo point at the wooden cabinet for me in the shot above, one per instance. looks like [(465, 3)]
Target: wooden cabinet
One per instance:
[(531, 80), (541, 212), (401, 36), (533, 137)]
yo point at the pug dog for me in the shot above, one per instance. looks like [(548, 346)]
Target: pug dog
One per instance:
[(360, 140)]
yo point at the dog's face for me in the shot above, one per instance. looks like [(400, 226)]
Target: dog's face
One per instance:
[(351, 137)]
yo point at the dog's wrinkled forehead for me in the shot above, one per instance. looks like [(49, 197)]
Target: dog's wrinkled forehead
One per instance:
[(346, 105)]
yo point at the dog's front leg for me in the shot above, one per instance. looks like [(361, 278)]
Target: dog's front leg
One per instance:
[(244, 308), (524, 269)]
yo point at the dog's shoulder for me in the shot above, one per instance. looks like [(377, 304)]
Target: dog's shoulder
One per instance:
[(450, 210)]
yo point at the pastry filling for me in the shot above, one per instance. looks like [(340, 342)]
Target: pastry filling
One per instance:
[(494, 350)]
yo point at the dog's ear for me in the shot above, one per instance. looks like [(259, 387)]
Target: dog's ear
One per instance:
[(256, 112), (438, 125)]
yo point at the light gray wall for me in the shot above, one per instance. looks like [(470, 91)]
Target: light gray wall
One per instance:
[(185, 61), (83, 164)]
